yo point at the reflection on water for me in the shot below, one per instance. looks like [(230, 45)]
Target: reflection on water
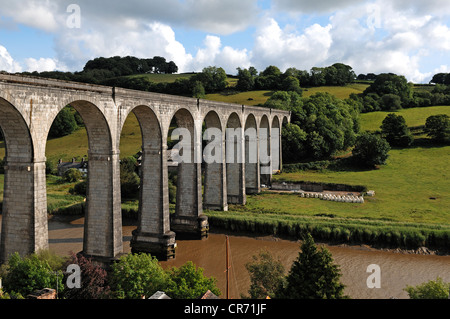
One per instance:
[(397, 270)]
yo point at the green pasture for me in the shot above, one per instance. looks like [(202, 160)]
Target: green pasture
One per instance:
[(414, 117)]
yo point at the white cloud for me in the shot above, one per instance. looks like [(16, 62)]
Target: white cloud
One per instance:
[(316, 6), (275, 46), (43, 64), (7, 63)]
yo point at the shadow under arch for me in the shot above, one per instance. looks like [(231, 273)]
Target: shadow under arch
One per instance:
[(24, 209)]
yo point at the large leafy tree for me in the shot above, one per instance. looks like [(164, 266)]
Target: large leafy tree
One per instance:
[(266, 275), (93, 283), (27, 274), (188, 282), (137, 275), (313, 275), (395, 130), (64, 123), (438, 128), (370, 150)]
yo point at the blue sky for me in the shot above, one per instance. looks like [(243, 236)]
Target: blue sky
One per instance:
[(408, 37)]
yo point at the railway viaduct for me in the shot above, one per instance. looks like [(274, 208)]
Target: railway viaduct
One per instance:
[(28, 107)]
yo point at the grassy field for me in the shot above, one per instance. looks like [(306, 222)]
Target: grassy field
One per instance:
[(414, 117)]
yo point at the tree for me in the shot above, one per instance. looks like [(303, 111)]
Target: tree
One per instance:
[(188, 282), (313, 275), (370, 150), (27, 274), (294, 142), (246, 81), (266, 275), (137, 275), (93, 280), (198, 91), (395, 131), (64, 124), (72, 175), (433, 289), (389, 83), (438, 128), (291, 83), (213, 79), (129, 179)]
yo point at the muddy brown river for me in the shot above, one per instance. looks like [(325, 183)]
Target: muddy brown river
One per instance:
[(397, 270)]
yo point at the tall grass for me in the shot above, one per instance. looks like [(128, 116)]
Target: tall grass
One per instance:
[(335, 230)]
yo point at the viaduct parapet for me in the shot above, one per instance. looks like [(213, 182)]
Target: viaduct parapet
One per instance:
[(28, 107)]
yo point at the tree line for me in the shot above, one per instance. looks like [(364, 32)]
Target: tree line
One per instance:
[(99, 70)]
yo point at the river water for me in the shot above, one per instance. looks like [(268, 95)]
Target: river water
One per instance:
[(397, 269)]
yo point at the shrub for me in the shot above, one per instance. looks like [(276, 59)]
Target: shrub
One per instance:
[(437, 289), (72, 175), (27, 274)]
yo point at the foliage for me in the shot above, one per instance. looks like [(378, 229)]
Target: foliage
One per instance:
[(137, 275), (79, 188), (438, 128), (93, 280), (212, 78), (27, 274), (313, 275), (188, 282), (266, 275), (129, 179), (433, 289), (294, 141), (64, 124), (395, 131), (72, 175), (198, 91), (330, 124), (370, 150), (389, 83)]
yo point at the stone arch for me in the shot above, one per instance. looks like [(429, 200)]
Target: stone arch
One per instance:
[(215, 192), (188, 218), (103, 217), (252, 183), (235, 160), (265, 151), (153, 233), (24, 209), (275, 143)]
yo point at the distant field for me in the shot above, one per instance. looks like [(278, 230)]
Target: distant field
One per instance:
[(413, 117), (243, 98), (341, 92)]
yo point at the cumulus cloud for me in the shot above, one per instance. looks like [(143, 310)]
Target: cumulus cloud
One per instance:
[(371, 36), (284, 48), (7, 63), (317, 6)]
